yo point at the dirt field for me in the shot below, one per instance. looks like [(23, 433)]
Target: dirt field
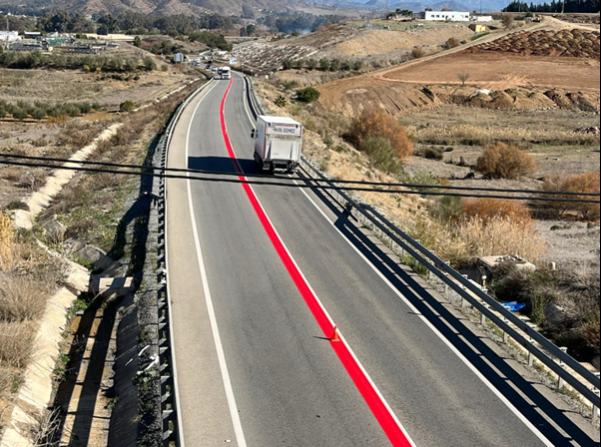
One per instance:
[(77, 86), (503, 71)]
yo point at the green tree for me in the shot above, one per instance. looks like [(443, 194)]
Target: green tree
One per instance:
[(127, 106), (149, 63), (308, 95), (137, 41)]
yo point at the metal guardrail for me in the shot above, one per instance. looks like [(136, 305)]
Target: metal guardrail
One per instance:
[(526, 336), (170, 409)]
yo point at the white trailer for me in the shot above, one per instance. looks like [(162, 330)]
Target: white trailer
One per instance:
[(278, 143), (225, 73)]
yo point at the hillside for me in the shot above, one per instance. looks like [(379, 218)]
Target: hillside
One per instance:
[(157, 7)]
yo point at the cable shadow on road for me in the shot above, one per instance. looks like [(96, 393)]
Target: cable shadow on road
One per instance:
[(472, 346), (223, 165)]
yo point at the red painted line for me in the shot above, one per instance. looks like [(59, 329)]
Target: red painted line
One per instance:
[(380, 410)]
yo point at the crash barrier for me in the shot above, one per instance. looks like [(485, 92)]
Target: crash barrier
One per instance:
[(170, 406)]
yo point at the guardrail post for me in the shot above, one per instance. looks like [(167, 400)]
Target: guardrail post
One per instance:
[(595, 408), (561, 382), (505, 334)]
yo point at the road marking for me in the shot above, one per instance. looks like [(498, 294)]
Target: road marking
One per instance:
[(497, 393), (464, 359), (388, 421), (227, 382), (180, 421)]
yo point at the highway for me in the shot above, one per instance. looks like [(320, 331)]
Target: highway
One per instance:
[(258, 277)]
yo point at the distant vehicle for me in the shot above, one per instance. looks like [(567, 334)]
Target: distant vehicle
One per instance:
[(278, 144), (225, 73)]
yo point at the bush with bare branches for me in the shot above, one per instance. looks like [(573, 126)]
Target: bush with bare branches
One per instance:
[(502, 161), (585, 183)]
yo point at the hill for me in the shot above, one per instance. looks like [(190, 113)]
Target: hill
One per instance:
[(156, 7)]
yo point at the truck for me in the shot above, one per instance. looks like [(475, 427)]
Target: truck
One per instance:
[(225, 73), (278, 144)]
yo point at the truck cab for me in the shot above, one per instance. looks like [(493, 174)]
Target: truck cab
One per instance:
[(225, 73)]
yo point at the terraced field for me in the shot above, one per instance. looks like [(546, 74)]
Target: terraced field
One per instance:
[(566, 43)]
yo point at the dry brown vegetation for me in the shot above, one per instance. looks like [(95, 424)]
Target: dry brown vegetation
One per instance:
[(379, 124), (91, 204), (491, 209), (27, 279), (502, 161), (584, 183)]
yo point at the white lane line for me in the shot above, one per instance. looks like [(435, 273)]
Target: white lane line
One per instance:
[(464, 359), (180, 420), (227, 382)]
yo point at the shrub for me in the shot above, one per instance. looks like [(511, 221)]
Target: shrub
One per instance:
[(324, 65), (379, 124), (490, 209), (308, 95), (19, 114), (127, 106), (418, 53), (502, 161), (453, 42), (38, 114), (585, 183), (381, 154), (281, 101), (149, 63), (433, 153)]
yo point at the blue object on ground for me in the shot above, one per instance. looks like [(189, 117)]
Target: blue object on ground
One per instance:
[(514, 306)]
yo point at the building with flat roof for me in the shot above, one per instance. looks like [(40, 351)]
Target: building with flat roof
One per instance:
[(9, 36), (447, 16)]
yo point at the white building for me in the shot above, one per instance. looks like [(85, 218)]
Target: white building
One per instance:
[(447, 16), (9, 36), (483, 19)]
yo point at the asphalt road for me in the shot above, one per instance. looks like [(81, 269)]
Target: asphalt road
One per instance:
[(238, 311)]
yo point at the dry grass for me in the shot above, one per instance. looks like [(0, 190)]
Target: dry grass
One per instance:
[(470, 135), (461, 243), (490, 209), (8, 247), (22, 298), (16, 344)]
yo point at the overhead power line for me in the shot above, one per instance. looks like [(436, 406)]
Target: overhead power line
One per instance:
[(308, 183), (271, 177)]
